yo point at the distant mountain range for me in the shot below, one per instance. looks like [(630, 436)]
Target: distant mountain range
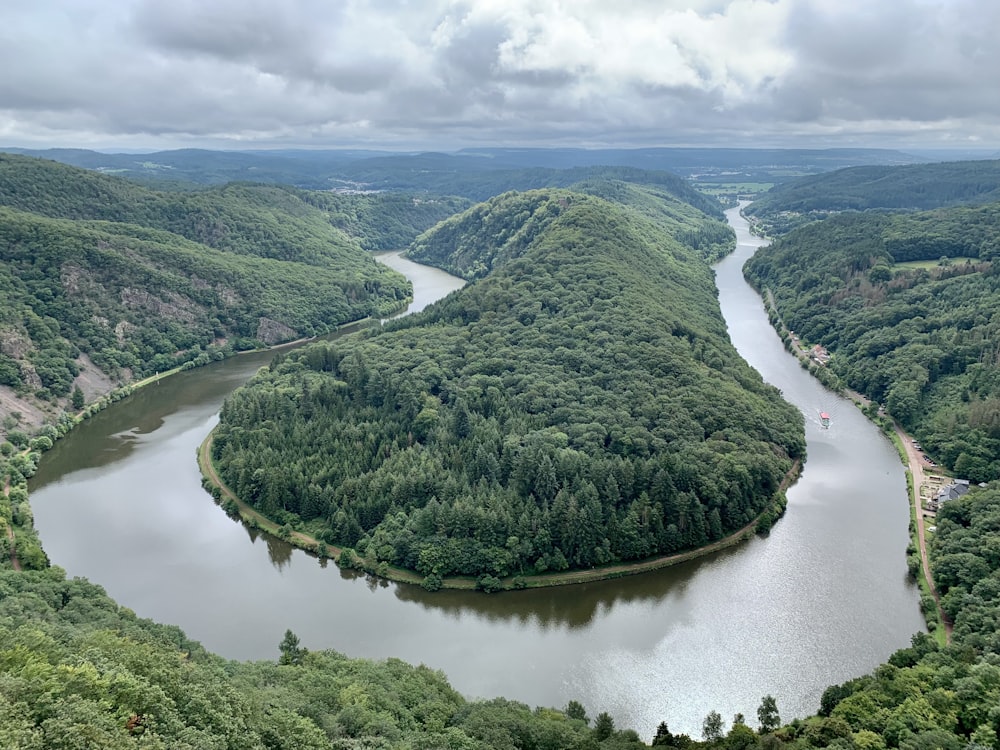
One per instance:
[(381, 170)]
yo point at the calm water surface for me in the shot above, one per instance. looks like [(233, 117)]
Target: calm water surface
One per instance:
[(822, 599)]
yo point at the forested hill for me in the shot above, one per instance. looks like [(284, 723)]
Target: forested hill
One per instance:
[(909, 305), (465, 170), (474, 242), (270, 221), (890, 188), (579, 405), (101, 275)]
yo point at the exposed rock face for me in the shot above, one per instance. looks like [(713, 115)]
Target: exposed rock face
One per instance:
[(30, 414), (29, 375), (92, 381), (14, 343), (122, 330), (79, 281), (177, 307), (272, 332), (227, 295)]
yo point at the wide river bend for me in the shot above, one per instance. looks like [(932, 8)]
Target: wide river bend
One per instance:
[(822, 599)]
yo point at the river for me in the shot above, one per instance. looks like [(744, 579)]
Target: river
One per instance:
[(822, 599)]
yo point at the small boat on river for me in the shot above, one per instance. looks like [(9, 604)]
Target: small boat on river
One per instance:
[(824, 419)]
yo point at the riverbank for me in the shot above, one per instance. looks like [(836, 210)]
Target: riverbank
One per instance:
[(20, 462), (347, 558), (916, 480)]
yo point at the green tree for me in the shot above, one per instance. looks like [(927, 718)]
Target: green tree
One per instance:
[(664, 737), (291, 651), (604, 726), (575, 710), (78, 399), (740, 737), (767, 714), (711, 727)]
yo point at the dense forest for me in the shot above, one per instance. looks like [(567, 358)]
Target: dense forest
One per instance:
[(578, 405), (909, 306), (97, 272), (471, 244), (77, 670), (271, 221), (877, 188)]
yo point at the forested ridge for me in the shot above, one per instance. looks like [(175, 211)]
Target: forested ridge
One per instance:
[(442, 174), (466, 172), (911, 187), (472, 243), (272, 221), (920, 338), (579, 405), (99, 272)]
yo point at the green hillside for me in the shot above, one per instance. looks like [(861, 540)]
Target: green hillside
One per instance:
[(270, 221), (595, 317), (470, 244), (97, 271), (579, 405), (877, 188), (909, 306), (445, 175), (384, 221)]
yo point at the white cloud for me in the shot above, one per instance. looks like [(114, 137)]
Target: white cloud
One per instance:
[(446, 72)]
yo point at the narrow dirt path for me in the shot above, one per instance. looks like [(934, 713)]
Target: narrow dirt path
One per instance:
[(916, 464)]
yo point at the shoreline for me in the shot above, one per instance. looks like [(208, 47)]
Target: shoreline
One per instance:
[(71, 420), (939, 625), (247, 515)]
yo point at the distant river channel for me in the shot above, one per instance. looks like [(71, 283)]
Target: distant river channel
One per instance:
[(822, 599)]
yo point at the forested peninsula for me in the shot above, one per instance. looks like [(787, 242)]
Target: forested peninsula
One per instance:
[(907, 304), (578, 405)]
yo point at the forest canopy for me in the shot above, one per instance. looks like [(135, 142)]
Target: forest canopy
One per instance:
[(913, 187), (98, 271), (909, 306), (580, 404)]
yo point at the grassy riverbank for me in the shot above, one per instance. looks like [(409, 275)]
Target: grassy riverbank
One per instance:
[(346, 557)]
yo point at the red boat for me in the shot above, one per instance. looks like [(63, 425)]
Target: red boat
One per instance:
[(824, 419)]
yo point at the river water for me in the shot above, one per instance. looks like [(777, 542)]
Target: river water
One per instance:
[(822, 599)]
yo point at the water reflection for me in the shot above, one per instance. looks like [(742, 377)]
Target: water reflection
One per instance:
[(278, 551), (565, 607)]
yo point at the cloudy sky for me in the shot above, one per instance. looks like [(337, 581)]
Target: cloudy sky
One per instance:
[(452, 73)]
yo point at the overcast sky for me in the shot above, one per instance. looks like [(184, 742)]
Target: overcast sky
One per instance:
[(451, 73)]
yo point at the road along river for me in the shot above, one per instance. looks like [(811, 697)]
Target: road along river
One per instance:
[(823, 598)]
